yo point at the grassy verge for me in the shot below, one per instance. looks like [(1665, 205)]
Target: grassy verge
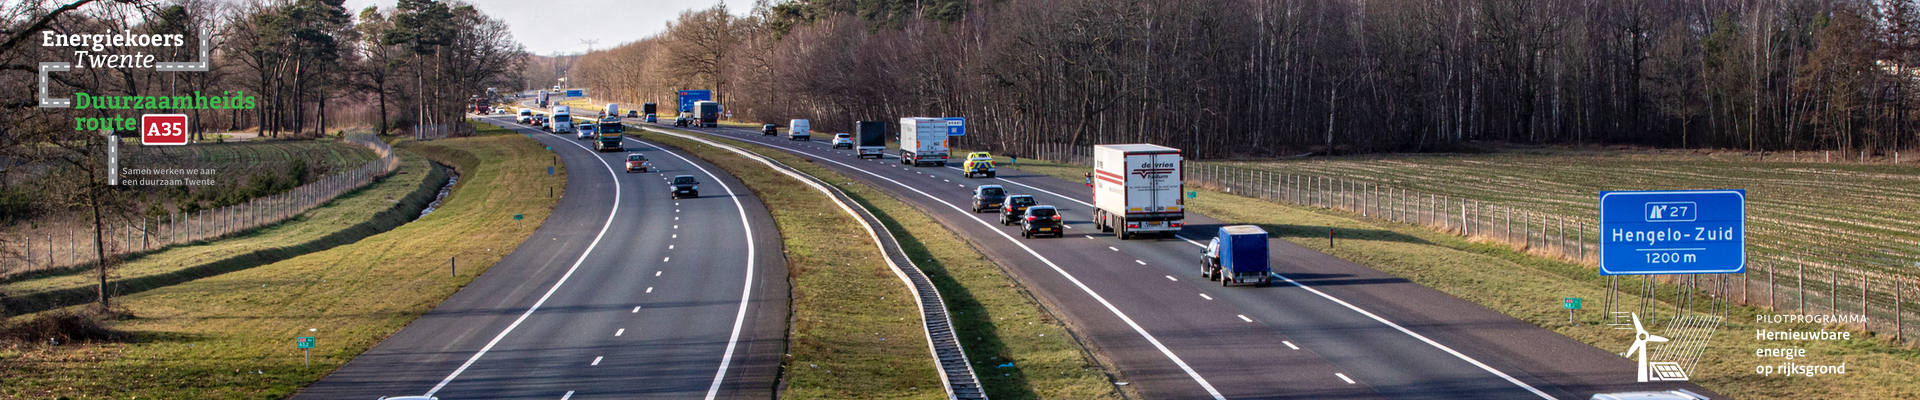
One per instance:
[(997, 322), (382, 205), (230, 336)]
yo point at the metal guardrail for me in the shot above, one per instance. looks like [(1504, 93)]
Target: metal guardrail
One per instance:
[(956, 372)]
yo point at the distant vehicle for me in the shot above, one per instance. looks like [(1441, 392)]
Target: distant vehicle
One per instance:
[(1041, 220), (681, 121), (1237, 254), (799, 129), (543, 99), (611, 109), (648, 108), (539, 120), (769, 130), (633, 114), (1676, 394), (1015, 207), (988, 197), (842, 140), (526, 116), (611, 124), (650, 118), (587, 132), (609, 142), (1137, 190), (707, 114), (923, 141), (872, 140), (978, 163), (562, 120), (685, 186), (637, 163)]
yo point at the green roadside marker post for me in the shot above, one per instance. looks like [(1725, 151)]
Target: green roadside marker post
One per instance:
[(521, 218), (1570, 303), (306, 346), (1192, 194)]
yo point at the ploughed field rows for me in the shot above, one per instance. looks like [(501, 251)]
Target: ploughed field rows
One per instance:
[(1843, 216)]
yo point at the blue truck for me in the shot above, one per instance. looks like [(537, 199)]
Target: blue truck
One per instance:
[(688, 97), (1237, 255)]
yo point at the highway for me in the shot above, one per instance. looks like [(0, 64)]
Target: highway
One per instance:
[(1328, 329), (622, 293)]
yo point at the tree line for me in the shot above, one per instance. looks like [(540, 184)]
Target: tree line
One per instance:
[(312, 67), (1227, 78)]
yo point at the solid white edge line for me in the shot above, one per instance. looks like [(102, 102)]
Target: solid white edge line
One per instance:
[(1430, 342), (871, 233), (1076, 282), (746, 293), (556, 284)]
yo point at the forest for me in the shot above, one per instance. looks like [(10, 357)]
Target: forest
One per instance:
[(1257, 78)]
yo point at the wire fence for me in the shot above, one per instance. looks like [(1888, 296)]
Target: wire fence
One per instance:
[(1782, 282), (56, 247)]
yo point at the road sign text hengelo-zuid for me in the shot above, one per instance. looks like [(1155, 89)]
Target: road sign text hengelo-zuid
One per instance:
[(1673, 232)]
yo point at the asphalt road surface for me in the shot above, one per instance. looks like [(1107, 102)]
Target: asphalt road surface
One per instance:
[(622, 293), (1330, 329)]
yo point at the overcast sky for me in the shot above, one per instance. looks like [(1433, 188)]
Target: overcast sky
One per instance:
[(550, 26)]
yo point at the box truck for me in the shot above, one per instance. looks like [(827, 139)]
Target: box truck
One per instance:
[(1136, 190), (1237, 254), (706, 113), (870, 139), (613, 110), (562, 120), (923, 141)]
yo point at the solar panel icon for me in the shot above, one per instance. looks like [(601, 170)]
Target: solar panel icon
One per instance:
[(1666, 371)]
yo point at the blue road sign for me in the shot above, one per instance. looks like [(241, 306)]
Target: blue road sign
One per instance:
[(956, 126), (1673, 232), (576, 93)]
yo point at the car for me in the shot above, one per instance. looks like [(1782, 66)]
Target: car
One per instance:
[(585, 134), (587, 131), (843, 140), (526, 117), (638, 163), (633, 114), (1041, 220), (978, 164), (539, 120), (680, 121), (1015, 207), (988, 197), (652, 118), (684, 186), (769, 130)]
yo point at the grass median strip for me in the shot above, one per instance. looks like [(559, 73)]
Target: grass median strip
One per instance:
[(1019, 351), (231, 335)]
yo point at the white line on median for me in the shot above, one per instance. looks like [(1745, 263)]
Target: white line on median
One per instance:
[(1191, 373), (556, 284)]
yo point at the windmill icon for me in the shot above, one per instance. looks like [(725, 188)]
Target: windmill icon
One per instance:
[(1660, 371)]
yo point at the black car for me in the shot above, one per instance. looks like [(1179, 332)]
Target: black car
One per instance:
[(685, 186), (769, 130), (988, 197), (1015, 208), (1041, 220)]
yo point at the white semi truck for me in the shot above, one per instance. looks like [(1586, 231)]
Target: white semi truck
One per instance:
[(562, 120), (1137, 190), (923, 141)]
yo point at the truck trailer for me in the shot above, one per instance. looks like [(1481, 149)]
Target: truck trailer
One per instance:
[(1238, 254), (870, 139), (1136, 190), (562, 120), (706, 114), (923, 141)]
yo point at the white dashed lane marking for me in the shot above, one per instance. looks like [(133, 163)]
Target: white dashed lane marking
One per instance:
[(1290, 345), (1244, 318), (1344, 378), (1205, 296)]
